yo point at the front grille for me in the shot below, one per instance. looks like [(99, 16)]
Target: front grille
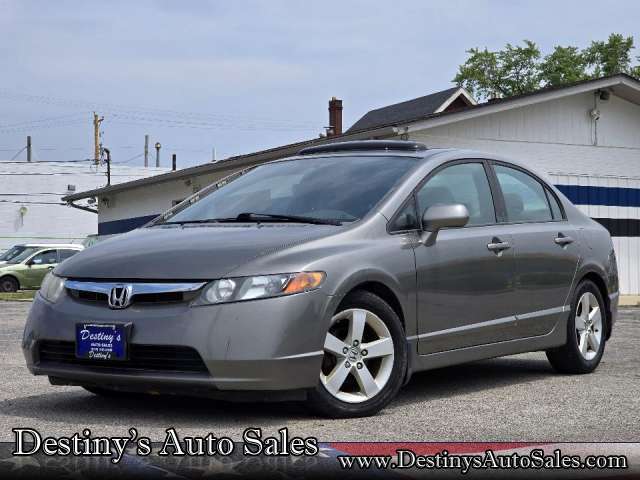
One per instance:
[(140, 298), (90, 296), (163, 358)]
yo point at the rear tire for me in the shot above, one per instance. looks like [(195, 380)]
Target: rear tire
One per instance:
[(586, 330), (365, 359), (9, 285)]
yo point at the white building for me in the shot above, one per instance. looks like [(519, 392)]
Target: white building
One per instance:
[(585, 136), (31, 209)]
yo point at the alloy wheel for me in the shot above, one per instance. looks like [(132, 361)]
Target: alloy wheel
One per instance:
[(358, 356), (588, 322)]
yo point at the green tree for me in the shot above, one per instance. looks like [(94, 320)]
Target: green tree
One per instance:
[(521, 69), (564, 65), (635, 71), (507, 72), (610, 57)]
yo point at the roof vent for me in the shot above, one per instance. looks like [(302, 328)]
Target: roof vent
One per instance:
[(366, 145)]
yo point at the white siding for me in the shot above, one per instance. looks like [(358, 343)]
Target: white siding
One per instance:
[(28, 185), (555, 136), (152, 199)]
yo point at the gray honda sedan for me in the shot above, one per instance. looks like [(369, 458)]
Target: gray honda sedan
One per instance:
[(331, 277)]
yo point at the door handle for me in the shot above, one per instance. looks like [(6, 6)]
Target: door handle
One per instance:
[(50, 267), (497, 246), (563, 240)]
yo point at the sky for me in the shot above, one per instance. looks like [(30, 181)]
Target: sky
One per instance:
[(241, 76)]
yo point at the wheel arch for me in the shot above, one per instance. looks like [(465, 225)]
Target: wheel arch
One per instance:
[(600, 282), (384, 292), (13, 277)]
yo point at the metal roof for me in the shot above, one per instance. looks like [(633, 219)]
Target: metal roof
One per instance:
[(403, 111)]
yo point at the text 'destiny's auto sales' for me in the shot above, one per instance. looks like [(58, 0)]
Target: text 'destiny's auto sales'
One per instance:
[(29, 441)]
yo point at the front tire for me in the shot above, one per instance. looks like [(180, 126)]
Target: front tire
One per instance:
[(365, 359), (585, 333), (9, 285)]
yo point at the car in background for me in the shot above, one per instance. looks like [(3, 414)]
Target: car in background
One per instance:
[(24, 266)]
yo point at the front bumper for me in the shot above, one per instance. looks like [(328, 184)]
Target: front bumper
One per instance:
[(260, 345)]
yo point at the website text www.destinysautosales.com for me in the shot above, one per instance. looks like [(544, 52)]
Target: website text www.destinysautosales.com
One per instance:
[(536, 459)]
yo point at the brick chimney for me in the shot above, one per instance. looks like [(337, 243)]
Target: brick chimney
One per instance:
[(335, 117)]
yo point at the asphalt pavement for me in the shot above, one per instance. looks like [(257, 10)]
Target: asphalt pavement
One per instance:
[(506, 399)]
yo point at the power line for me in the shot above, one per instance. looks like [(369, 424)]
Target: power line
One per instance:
[(29, 128), (18, 153), (227, 119), (31, 194), (32, 202), (129, 159), (82, 160), (41, 120)]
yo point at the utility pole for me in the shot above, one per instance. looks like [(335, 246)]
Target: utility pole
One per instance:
[(28, 148), (158, 147), (96, 137), (146, 151), (174, 162), (108, 153), (213, 154)]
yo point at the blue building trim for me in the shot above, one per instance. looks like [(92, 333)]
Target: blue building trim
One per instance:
[(124, 225), (608, 196)]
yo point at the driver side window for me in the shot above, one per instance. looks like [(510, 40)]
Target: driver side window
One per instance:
[(464, 183), (49, 257)]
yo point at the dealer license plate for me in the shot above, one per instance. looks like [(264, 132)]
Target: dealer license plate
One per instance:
[(101, 341)]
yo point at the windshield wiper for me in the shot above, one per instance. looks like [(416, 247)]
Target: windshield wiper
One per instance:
[(250, 216), (199, 220), (259, 217)]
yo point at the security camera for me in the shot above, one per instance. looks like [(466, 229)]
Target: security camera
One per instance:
[(594, 113)]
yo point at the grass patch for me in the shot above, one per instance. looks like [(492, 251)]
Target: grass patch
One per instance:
[(22, 295)]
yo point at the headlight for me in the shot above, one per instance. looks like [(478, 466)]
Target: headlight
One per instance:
[(52, 287), (264, 286)]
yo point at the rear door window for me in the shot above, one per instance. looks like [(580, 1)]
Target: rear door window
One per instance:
[(556, 211), (524, 196), (66, 253)]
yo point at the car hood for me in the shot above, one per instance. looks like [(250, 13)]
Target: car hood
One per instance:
[(201, 252)]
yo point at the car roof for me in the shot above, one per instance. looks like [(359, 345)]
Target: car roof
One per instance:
[(74, 246)]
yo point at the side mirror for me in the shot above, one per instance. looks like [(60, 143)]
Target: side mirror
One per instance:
[(35, 261), (442, 216)]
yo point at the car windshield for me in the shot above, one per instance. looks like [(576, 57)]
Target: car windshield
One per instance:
[(332, 189), (18, 253)]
